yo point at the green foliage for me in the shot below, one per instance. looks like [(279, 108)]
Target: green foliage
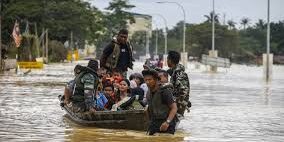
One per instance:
[(209, 18), (245, 21), (200, 37), (117, 18), (57, 51), (113, 21), (59, 16), (139, 43), (89, 24), (245, 45), (63, 16)]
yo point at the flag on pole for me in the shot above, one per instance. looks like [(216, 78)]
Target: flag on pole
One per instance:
[(16, 34)]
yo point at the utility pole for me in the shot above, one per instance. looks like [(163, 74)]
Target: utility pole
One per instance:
[(42, 43), (71, 45), (156, 49), (213, 53), (184, 54), (1, 36), (268, 58), (166, 38), (46, 45), (147, 44), (213, 27), (37, 40)]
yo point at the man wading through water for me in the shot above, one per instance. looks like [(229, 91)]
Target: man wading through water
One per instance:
[(162, 108), (118, 54), (180, 81)]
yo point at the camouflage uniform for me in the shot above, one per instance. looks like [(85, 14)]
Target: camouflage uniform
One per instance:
[(180, 81)]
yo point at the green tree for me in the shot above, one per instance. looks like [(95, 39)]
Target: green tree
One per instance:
[(277, 38), (245, 21), (118, 16), (59, 16), (138, 41), (113, 21), (231, 24), (209, 18)]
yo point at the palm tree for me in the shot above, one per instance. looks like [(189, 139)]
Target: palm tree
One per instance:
[(245, 22), (210, 19), (231, 24), (260, 24)]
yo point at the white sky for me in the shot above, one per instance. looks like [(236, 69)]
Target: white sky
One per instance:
[(196, 9)]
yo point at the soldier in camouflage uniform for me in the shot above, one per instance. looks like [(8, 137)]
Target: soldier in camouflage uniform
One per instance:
[(180, 81)]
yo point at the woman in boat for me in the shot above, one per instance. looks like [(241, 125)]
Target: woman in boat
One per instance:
[(122, 95)]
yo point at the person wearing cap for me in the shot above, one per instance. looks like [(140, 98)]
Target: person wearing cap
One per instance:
[(86, 83), (68, 91), (118, 54), (161, 108)]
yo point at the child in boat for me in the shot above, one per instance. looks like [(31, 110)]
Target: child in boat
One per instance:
[(109, 93), (132, 81), (100, 100)]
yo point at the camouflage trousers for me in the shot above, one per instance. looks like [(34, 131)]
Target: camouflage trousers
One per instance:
[(183, 104)]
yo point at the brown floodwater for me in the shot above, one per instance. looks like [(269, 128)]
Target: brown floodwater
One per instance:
[(232, 105)]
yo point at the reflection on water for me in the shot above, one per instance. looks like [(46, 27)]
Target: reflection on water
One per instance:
[(232, 105)]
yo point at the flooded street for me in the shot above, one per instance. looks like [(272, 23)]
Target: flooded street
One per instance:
[(232, 105)]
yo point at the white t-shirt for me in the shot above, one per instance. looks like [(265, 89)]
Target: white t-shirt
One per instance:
[(145, 88), (133, 84)]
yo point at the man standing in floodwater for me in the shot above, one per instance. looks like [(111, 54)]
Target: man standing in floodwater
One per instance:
[(162, 108), (118, 54), (180, 81)]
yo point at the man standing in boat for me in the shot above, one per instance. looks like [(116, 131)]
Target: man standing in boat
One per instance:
[(180, 81), (118, 54), (85, 86), (162, 108)]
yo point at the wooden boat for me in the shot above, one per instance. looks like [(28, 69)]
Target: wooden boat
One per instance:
[(124, 119)]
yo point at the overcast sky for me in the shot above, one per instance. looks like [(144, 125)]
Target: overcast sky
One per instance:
[(196, 9)]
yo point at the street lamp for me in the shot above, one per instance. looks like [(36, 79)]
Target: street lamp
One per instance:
[(156, 39), (213, 53), (166, 38), (161, 2), (184, 55), (269, 57), (213, 27), (166, 31), (0, 36)]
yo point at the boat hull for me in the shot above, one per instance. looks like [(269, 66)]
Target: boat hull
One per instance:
[(125, 119)]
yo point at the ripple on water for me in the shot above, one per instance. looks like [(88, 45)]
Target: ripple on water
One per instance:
[(232, 105)]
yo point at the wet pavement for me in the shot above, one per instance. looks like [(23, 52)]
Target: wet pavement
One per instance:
[(232, 105)]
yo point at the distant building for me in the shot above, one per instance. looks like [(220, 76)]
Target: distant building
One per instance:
[(142, 23)]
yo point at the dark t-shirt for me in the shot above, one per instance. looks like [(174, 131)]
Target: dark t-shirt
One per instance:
[(123, 59), (167, 97)]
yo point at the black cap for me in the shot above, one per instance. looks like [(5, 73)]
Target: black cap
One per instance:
[(152, 72), (123, 31), (93, 64)]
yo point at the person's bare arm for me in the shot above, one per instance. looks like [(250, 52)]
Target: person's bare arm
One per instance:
[(67, 95), (173, 111)]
